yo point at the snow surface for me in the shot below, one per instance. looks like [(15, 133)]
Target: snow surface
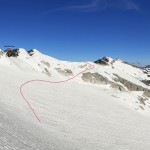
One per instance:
[(74, 115)]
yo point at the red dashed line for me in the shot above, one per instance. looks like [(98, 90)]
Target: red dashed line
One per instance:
[(90, 68)]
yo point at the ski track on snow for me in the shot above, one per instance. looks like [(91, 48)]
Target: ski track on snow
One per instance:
[(31, 81)]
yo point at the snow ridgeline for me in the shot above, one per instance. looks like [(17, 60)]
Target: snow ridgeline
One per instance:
[(108, 68), (107, 71), (114, 73), (100, 109)]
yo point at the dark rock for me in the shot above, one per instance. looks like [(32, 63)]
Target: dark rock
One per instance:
[(147, 82), (12, 52), (103, 61), (31, 52)]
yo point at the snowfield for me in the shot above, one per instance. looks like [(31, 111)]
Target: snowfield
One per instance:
[(74, 115)]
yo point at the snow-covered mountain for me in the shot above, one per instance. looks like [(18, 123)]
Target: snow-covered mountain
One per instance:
[(96, 106)]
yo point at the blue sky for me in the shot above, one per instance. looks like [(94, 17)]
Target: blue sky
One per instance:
[(78, 30)]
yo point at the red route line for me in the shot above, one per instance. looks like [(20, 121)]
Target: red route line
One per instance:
[(90, 68)]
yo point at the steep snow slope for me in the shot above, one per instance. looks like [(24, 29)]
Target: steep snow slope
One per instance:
[(74, 115)]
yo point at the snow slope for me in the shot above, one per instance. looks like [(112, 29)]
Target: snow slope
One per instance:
[(74, 115)]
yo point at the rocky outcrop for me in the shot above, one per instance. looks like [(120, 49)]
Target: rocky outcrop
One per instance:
[(65, 72), (147, 94), (142, 100), (12, 52), (97, 78), (47, 72), (82, 66), (117, 86), (1, 53), (129, 85), (45, 63), (146, 69), (104, 61), (147, 82), (31, 52)]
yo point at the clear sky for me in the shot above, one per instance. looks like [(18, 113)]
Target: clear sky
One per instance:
[(78, 30)]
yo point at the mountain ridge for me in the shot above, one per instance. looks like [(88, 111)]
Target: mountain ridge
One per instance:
[(108, 67), (93, 111)]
